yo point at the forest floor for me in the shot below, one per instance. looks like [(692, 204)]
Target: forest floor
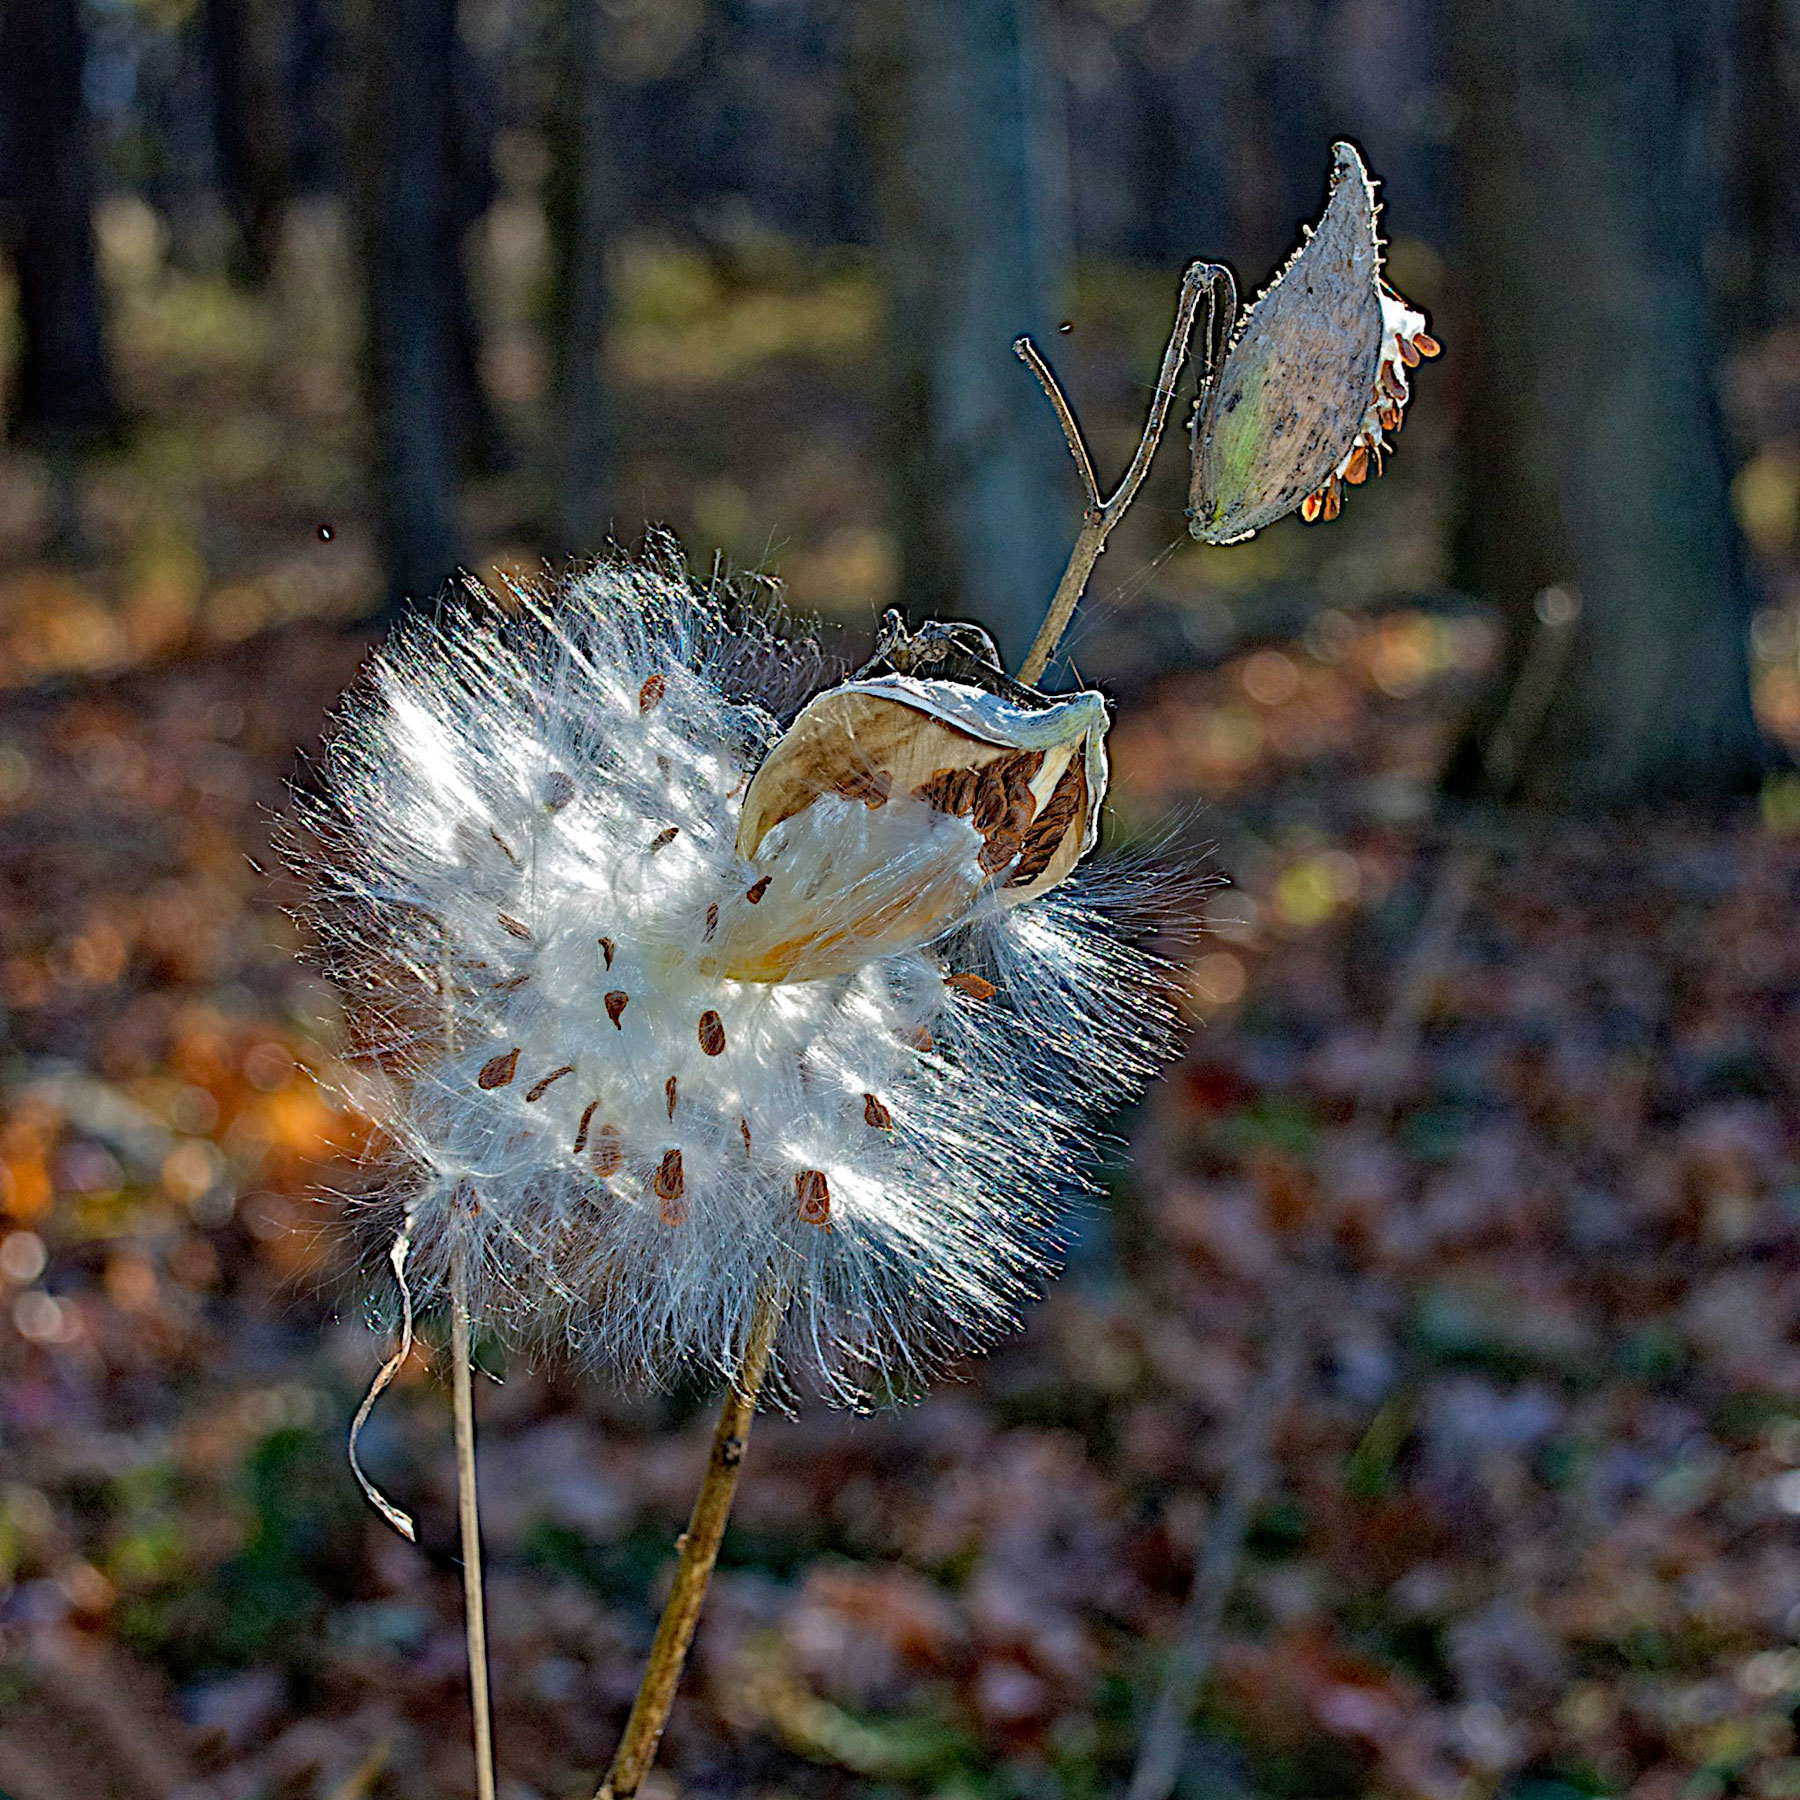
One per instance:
[(1507, 1112)]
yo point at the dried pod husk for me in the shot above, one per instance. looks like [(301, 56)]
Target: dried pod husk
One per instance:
[(893, 807), (1305, 381)]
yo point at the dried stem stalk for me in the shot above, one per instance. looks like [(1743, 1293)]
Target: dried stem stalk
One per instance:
[(699, 1550), (468, 1503), (469, 1517), (1102, 513)]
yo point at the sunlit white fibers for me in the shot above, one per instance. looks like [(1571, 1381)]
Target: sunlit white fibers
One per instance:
[(546, 806)]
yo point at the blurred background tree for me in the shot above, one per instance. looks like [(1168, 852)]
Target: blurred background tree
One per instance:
[(61, 391), (1592, 181)]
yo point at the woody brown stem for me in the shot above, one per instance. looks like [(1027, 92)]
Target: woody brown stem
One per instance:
[(1102, 514), (698, 1551)]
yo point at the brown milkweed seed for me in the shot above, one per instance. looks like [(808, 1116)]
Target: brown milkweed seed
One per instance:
[(870, 786), (664, 838), (609, 1152), (540, 1088), (515, 926), (977, 987), (607, 947), (990, 801), (757, 889), (497, 1071), (672, 1089), (712, 1033), (616, 1003), (670, 1183), (744, 1127), (559, 790), (874, 1113), (813, 1193), (652, 691), (506, 849), (712, 920), (581, 1130), (960, 790)]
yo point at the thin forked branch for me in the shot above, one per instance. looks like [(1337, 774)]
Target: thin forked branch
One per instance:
[(1201, 280)]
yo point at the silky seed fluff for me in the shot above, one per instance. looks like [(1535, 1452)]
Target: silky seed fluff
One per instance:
[(527, 879)]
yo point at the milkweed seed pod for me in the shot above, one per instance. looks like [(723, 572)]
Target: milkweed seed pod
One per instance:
[(672, 1000), (1311, 380)]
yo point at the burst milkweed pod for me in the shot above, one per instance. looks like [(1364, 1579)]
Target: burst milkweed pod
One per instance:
[(709, 979)]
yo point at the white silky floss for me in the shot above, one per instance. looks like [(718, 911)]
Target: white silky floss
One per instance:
[(678, 1004)]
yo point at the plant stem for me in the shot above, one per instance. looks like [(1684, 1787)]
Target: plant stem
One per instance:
[(469, 1516), (1102, 514), (699, 1549)]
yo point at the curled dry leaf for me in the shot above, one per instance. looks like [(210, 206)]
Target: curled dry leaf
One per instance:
[(1311, 379)]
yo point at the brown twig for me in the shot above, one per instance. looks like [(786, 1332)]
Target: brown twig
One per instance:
[(698, 1550), (1101, 514), (1246, 1475)]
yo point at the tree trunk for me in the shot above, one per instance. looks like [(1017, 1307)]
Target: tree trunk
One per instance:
[(581, 210), (1596, 445), (1767, 119), (968, 182), (409, 239), (249, 125), (62, 392)]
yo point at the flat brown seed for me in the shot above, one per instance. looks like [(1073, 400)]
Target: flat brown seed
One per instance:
[(506, 849), (670, 1183), (744, 1127), (581, 1130), (870, 786), (540, 1088), (813, 1193), (877, 1115), (1045, 838), (712, 920), (515, 926), (999, 850), (607, 947), (755, 891), (559, 790), (712, 1033), (664, 838), (990, 801), (977, 987), (959, 792), (652, 691), (616, 1003), (497, 1071), (609, 1152), (672, 1089)]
